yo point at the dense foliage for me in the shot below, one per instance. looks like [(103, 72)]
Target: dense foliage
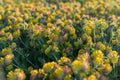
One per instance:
[(59, 39)]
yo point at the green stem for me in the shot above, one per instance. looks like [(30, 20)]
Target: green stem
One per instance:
[(94, 34), (115, 73), (22, 42), (25, 58)]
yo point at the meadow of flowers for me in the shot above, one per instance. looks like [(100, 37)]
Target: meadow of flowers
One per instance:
[(59, 39)]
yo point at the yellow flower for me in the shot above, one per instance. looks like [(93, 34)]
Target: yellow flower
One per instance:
[(6, 51), (87, 30), (59, 73), (78, 16), (49, 67), (72, 31), (98, 57), (33, 75), (83, 10), (41, 74), (9, 36), (52, 17), (92, 77), (84, 56), (102, 10), (68, 77), (62, 24), (2, 32), (11, 76), (33, 72), (59, 21), (56, 49), (64, 61), (84, 78), (18, 74), (113, 56), (0, 17), (98, 54), (48, 19), (26, 15), (107, 68), (49, 24), (16, 34), (13, 45), (101, 46), (2, 10), (98, 61), (19, 19), (36, 32), (76, 66), (8, 58), (118, 32)]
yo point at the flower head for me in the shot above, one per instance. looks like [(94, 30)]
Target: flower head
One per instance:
[(113, 56), (92, 77), (17, 74), (49, 67)]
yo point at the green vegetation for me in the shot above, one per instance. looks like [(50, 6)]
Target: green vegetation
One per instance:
[(59, 39)]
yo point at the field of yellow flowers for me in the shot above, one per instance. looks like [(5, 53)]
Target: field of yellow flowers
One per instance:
[(59, 39)]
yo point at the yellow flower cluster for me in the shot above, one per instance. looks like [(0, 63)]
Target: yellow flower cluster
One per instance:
[(64, 39), (92, 77), (113, 56), (18, 74), (49, 67), (37, 74), (61, 72), (98, 57), (64, 61), (6, 59)]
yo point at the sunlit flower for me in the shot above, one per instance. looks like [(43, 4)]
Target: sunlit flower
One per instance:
[(76, 66), (16, 34), (8, 58), (59, 73), (98, 57), (113, 56), (107, 68), (33, 74), (11, 76), (9, 36), (41, 74), (79, 35), (64, 61), (6, 51), (100, 46), (0, 17), (18, 74), (49, 67), (92, 77), (87, 29)]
